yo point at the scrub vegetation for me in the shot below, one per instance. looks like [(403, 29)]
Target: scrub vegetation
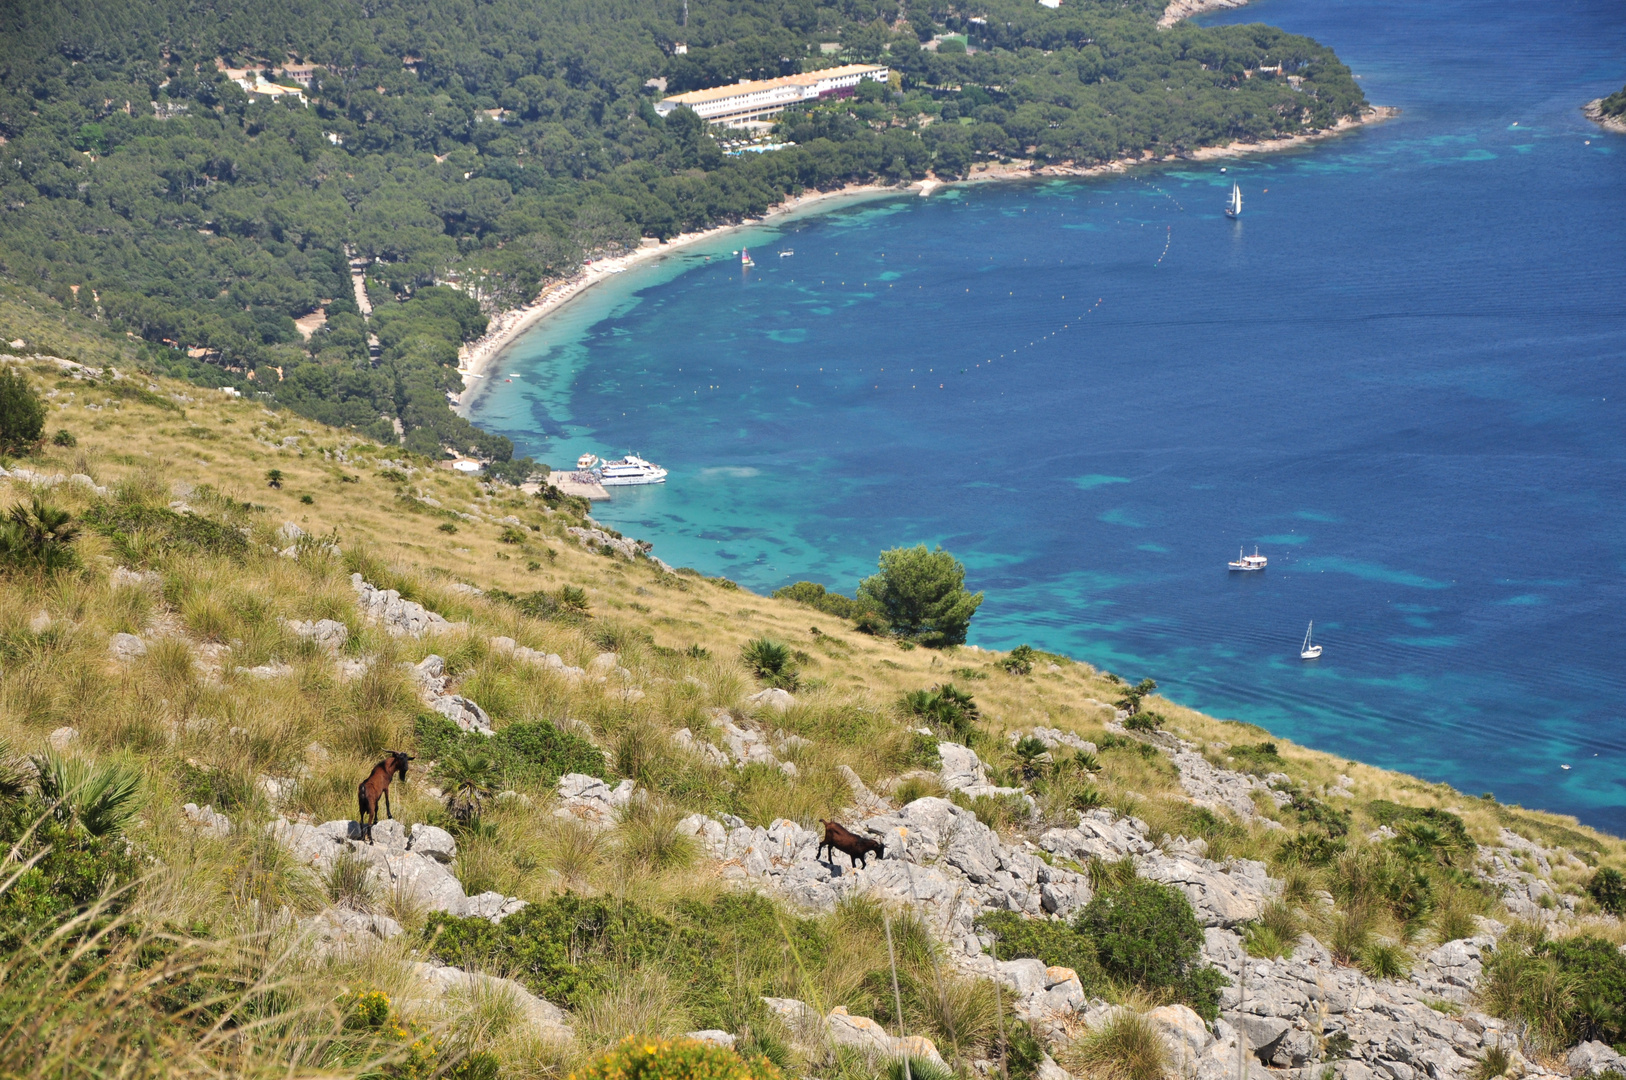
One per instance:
[(133, 943)]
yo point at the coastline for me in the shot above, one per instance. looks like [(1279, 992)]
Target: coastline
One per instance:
[(1186, 9), (479, 357), (1594, 112)]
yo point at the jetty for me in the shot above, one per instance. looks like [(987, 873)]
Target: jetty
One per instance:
[(578, 483)]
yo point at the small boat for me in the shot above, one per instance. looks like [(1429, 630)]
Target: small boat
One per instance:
[(1566, 768), (1255, 561), (630, 471), (787, 253), (1233, 205), (1308, 651), (745, 258), (586, 462)]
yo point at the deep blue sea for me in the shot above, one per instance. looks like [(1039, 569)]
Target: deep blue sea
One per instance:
[(1402, 374)]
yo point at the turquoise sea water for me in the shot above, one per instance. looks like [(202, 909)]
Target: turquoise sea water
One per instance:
[(1402, 375)]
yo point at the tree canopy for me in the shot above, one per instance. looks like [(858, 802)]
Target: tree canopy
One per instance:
[(923, 595)]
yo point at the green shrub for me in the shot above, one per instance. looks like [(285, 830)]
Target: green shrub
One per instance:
[(1567, 991), (526, 753), (676, 1059), (1144, 721), (72, 868), (1608, 890), (22, 414), (1058, 944), (815, 596), (64, 437), (568, 947), (140, 532), (1146, 933)]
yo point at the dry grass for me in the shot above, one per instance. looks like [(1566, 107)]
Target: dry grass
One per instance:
[(204, 731)]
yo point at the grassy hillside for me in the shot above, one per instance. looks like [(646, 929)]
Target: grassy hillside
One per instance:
[(195, 962)]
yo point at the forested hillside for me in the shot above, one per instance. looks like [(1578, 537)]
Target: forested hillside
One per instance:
[(488, 146)]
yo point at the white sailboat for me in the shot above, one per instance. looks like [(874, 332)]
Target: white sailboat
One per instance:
[(1308, 651), (1255, 561), (1233, 205)]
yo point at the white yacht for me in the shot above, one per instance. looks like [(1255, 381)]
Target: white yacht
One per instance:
[(1255, 561), (1307, 651), (629, 471)]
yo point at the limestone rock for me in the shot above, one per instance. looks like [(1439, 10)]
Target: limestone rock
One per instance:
[(599, 539), (123, 577), (685, 739), (341, 930), (591, 799), (543, 1017), (206, 819), (126, 647), (400, 618), (61, 737), (773, 698), (714, 1037), (1594, 1059), (330, 634), (436, 843), (1182, 1029)]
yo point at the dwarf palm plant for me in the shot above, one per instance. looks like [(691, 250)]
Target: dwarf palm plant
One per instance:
[(771, 662), (39, 536), (100, 798)]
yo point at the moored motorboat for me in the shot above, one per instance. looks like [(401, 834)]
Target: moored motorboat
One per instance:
[(1255, 561), (629, 471)]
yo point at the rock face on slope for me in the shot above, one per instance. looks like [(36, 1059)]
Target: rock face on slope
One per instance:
[(411, 867), (402, 618)]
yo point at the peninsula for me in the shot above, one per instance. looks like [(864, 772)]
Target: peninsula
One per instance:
[(1608, 112), (331, 209)]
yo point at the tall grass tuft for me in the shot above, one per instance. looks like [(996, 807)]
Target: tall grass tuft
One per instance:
[(1126, 1047)]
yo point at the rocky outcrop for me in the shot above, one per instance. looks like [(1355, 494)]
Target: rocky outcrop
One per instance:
[(400, 618), (407, 867), (746, 743), (126, 648), (963, 771), (938, 857), (1520, 870), (206, 820), (329, 634), (432, 681), (1595, 1059), (442, 981), (809, 1030), (550, 661), (589, 799), (773, 698), (600, 540)]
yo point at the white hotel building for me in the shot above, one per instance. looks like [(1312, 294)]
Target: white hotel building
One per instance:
[(762, 98)]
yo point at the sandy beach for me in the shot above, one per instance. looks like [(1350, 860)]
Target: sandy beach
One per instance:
[(479, 357)]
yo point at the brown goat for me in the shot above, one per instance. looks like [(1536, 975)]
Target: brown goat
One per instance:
[(377, 786), (857, 848)]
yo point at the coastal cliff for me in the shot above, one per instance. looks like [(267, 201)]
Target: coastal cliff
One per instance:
[(1608, 120), (611, 821)]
